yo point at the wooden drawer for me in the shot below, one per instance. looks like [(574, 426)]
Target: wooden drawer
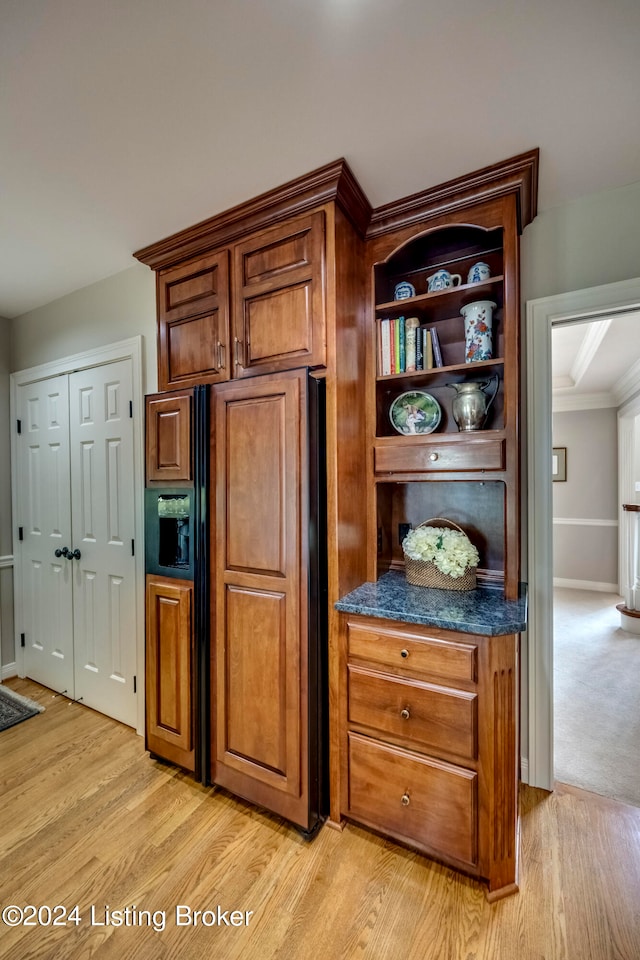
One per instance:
[(413, 798), (405, 652), (436, 456), (438, 718)]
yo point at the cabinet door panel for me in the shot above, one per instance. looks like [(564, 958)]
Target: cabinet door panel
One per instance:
[(256, 679), (168, 674), (193, 322), (257, 441), (265, 319), (279, 315), (260, 652), (169, 438), (416, 799)]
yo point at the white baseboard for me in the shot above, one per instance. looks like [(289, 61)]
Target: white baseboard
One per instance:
[(9, 670), (586, 585), (524, 769)]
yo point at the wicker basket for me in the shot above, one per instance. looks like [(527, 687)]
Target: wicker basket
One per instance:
[(424, 573)]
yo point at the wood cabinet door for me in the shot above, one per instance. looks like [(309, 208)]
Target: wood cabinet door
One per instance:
[(169, 702), (168, 444), (259, 657), (279, 312), (193, 322)]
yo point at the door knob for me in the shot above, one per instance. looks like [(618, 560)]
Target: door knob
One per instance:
[(62, 553), (74, 554)]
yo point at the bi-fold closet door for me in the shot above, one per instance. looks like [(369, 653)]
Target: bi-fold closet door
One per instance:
[(75, 502)]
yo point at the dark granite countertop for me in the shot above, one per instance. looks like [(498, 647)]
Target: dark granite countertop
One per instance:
[(483, 611)]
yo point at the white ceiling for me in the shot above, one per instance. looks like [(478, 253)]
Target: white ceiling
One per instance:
[(596, 363), (122, 121)]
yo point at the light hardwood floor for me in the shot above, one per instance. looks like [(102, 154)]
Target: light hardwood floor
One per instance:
[(87, 818)]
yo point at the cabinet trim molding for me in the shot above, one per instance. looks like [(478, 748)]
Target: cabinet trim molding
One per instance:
[(333, 182), (517, 175)]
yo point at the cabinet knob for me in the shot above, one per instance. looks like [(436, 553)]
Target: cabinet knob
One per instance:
[(405, 800), (405, 714), (433, 456), (404, 654)]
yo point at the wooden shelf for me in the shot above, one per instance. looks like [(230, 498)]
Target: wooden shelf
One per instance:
[(452, 368), (429, 299)]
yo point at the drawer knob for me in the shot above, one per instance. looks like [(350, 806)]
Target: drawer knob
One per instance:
[(405, 714), (405, 800), (433, 456), (404, 654)]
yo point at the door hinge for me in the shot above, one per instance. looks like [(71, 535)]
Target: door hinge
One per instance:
[(131, 408), (19, 426), (135, 684), (133, 548), (23, 641), (20, 533)]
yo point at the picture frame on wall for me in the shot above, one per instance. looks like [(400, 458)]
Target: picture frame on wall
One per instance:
[(559, 464)]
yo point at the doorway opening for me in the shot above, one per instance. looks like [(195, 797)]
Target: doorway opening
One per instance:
[(595, 303), (596, 665)]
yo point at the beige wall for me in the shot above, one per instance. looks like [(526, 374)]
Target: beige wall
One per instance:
[(117, 308), (586, 551), (587, 243)]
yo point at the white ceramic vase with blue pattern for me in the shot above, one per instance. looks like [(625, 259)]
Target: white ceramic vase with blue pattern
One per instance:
[(478, 321)]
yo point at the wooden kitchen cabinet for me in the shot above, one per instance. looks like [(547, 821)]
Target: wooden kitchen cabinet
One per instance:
[(193, 322), (168, 437), (428, 734), (268, 316), (278, 308), (169, 676), (263, 744)]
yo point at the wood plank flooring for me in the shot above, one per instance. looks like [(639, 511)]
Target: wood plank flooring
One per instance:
[(87, 818)]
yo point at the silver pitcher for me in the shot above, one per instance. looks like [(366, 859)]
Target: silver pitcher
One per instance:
[(471, 404)]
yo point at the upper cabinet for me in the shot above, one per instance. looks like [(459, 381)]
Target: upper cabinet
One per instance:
[(193, 322), (255, 289), (278, 307)]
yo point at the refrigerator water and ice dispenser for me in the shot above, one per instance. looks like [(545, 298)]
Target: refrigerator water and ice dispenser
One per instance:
[(169, 529)]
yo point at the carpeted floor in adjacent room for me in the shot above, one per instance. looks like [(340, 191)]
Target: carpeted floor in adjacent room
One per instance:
[(596, 696)]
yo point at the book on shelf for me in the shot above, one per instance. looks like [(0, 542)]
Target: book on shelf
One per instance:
[(427, 348), (420, 348), (393, 346), (437, 352), (401, 355), (411, 325), (385, 347)]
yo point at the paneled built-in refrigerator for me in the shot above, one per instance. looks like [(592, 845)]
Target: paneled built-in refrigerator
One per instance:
[(237, 588)]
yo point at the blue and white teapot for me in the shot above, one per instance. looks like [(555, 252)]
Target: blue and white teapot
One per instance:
[(442, 280)]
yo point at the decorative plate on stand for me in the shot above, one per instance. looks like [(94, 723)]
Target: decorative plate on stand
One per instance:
[(415, 412)]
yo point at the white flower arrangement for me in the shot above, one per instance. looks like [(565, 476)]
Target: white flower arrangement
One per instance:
[(450, 550)]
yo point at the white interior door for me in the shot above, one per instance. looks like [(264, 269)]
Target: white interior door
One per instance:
[(43, 498), (103, 523), (75, 493)]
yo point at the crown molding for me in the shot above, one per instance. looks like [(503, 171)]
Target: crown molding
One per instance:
[(583, 401), (517, 175), (628, 385), (333, 182)]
